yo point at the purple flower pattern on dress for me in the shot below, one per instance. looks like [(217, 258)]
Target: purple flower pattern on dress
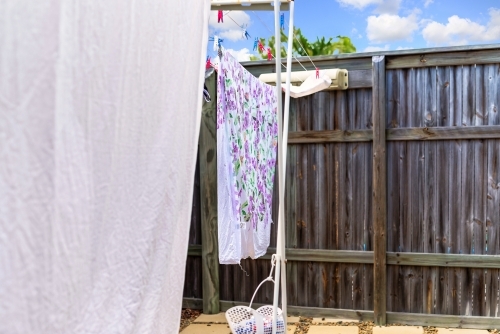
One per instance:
[(247, 108)]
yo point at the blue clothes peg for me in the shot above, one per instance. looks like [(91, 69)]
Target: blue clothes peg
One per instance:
[(246, 34)]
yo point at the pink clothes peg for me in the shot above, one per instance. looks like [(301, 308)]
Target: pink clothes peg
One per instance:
[(261, 47), (220, 17), (317, 73), (269, 54)]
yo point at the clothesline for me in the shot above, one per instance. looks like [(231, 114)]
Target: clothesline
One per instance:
[(251, 93), (226, 14), (264, 24)]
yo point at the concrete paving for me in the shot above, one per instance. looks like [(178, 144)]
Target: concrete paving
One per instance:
[(333, 330), (292, 320), (461, 331), (216, 324), (334, 320), (398, 330), (213, 318), (197, 328), (207, 329)]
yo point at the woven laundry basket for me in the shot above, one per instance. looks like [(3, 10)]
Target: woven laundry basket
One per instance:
[(245, 320)]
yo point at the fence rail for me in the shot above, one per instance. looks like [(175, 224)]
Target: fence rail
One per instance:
[(392, 196)]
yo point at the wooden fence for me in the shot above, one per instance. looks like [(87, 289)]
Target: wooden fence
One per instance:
[(392, 195)]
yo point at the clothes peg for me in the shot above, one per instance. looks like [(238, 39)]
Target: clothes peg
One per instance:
[(208, 64), (220, 17), (269, 54), (217, 42), (206, 94), (255, 43), (282, 21), (261, 47), (317, 73), (246, 34)]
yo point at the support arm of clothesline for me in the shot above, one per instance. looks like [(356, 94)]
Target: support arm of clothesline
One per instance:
[(284, 143), (280, 273), (249, 4), (279, 255)]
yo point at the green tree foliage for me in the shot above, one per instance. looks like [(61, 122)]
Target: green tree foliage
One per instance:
[(303, 47)]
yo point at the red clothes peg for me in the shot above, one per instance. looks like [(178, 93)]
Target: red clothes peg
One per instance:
[(208, 64), (269, 54), (317, 73), (220, 17)]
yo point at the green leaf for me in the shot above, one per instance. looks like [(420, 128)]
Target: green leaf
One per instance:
[(302, 47)]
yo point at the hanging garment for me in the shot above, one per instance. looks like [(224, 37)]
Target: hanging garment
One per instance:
[(310, 86), (97, 162), (247, 138)]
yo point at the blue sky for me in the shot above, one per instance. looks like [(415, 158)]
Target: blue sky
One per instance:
[(372, 25)]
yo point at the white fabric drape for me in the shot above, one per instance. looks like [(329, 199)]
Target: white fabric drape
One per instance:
[(100, 105)]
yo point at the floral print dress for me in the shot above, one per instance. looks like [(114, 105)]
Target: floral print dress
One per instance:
[(247, 138)]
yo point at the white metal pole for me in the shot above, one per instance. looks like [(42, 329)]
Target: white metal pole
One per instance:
[(277, 36), (282, 235)]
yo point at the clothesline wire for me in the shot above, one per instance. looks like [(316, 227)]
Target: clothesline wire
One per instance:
[(265, 25), (302, 48), (226, 14)]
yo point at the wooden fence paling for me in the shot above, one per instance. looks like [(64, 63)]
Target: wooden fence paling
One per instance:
[(208, 188), (379, 192)]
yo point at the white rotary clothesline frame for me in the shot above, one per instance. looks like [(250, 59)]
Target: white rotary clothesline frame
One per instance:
[(280, 272)]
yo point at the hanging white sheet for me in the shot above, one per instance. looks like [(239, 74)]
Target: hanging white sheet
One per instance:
[(247, 133), (98, 144)]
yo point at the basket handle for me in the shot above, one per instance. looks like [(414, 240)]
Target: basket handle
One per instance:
[(269, 278)]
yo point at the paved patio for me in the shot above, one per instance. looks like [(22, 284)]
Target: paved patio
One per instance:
[(217, 324)]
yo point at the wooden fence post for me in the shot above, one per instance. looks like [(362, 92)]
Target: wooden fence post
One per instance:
[(379, 192), (208, 188)]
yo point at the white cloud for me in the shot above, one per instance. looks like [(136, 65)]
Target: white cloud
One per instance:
[(240, 55), (231, 28), (389, 27), (427, 3), (460, 31), (388, 7), (355, 33), (403, 48), (359, 4), (232, 35), (376, 48), (383, 6)]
